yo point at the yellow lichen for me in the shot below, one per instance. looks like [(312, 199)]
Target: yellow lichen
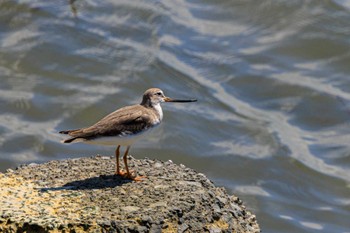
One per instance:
[(20, 197), (172, 227), (218, 224)]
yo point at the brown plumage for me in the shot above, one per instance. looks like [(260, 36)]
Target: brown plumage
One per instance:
[(123, 122), (124, 126)]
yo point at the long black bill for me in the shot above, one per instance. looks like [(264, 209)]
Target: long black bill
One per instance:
[(167, 99)]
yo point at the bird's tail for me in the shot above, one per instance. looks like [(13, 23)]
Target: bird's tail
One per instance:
[(65, 131), (69, 140)]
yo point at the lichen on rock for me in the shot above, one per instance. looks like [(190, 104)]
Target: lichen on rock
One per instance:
[(83, 195)]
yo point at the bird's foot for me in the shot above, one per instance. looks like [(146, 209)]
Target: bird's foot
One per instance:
[(131, 175), (121, 173), (137, 178)]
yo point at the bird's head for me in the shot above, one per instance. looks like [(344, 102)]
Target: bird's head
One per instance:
[(154, 96)]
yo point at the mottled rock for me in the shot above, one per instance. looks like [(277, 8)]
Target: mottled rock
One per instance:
[(84, 195)]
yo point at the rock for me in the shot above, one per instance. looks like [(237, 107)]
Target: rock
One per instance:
[(155, 229), (130, 209), (182, 228), (84, 195)]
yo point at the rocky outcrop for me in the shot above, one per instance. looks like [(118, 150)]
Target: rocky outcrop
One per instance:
[(83, 195)]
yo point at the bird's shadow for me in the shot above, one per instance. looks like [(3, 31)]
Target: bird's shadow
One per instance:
[(99, 182)]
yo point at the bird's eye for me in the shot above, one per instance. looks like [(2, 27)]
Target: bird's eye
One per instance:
[(159, 93)]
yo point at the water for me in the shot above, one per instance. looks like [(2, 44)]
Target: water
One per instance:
[(271, 77)]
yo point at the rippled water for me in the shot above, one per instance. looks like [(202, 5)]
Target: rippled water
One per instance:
[(272, 79)]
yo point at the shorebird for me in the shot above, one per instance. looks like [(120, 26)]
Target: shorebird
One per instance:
[(125, 126)]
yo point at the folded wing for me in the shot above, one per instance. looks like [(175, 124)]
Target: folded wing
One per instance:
[(123, 122)]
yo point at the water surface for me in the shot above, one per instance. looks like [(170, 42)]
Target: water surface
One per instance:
[(271, 77)]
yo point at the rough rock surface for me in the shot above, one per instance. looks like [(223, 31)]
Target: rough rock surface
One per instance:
[(83, 195)]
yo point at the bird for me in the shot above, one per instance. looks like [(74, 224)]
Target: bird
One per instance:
[(125, 126)]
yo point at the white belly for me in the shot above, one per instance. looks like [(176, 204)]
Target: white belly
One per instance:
[(127, 140)]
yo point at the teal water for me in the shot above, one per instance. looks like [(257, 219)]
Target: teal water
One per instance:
[(272, 79)]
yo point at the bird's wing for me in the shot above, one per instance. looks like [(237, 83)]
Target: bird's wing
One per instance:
[(123, 122)]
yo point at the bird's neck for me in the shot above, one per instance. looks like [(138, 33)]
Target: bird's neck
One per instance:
[(159, 110)]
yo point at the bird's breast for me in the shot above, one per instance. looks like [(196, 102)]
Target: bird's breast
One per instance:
[(159, 111)]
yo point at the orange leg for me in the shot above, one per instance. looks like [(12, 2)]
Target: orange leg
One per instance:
[(117, 170), (117, 160), (126, 162), (128, 174)]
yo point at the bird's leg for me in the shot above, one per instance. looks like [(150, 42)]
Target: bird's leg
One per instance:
[(117, 170), (128, 174), (126, 162)]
